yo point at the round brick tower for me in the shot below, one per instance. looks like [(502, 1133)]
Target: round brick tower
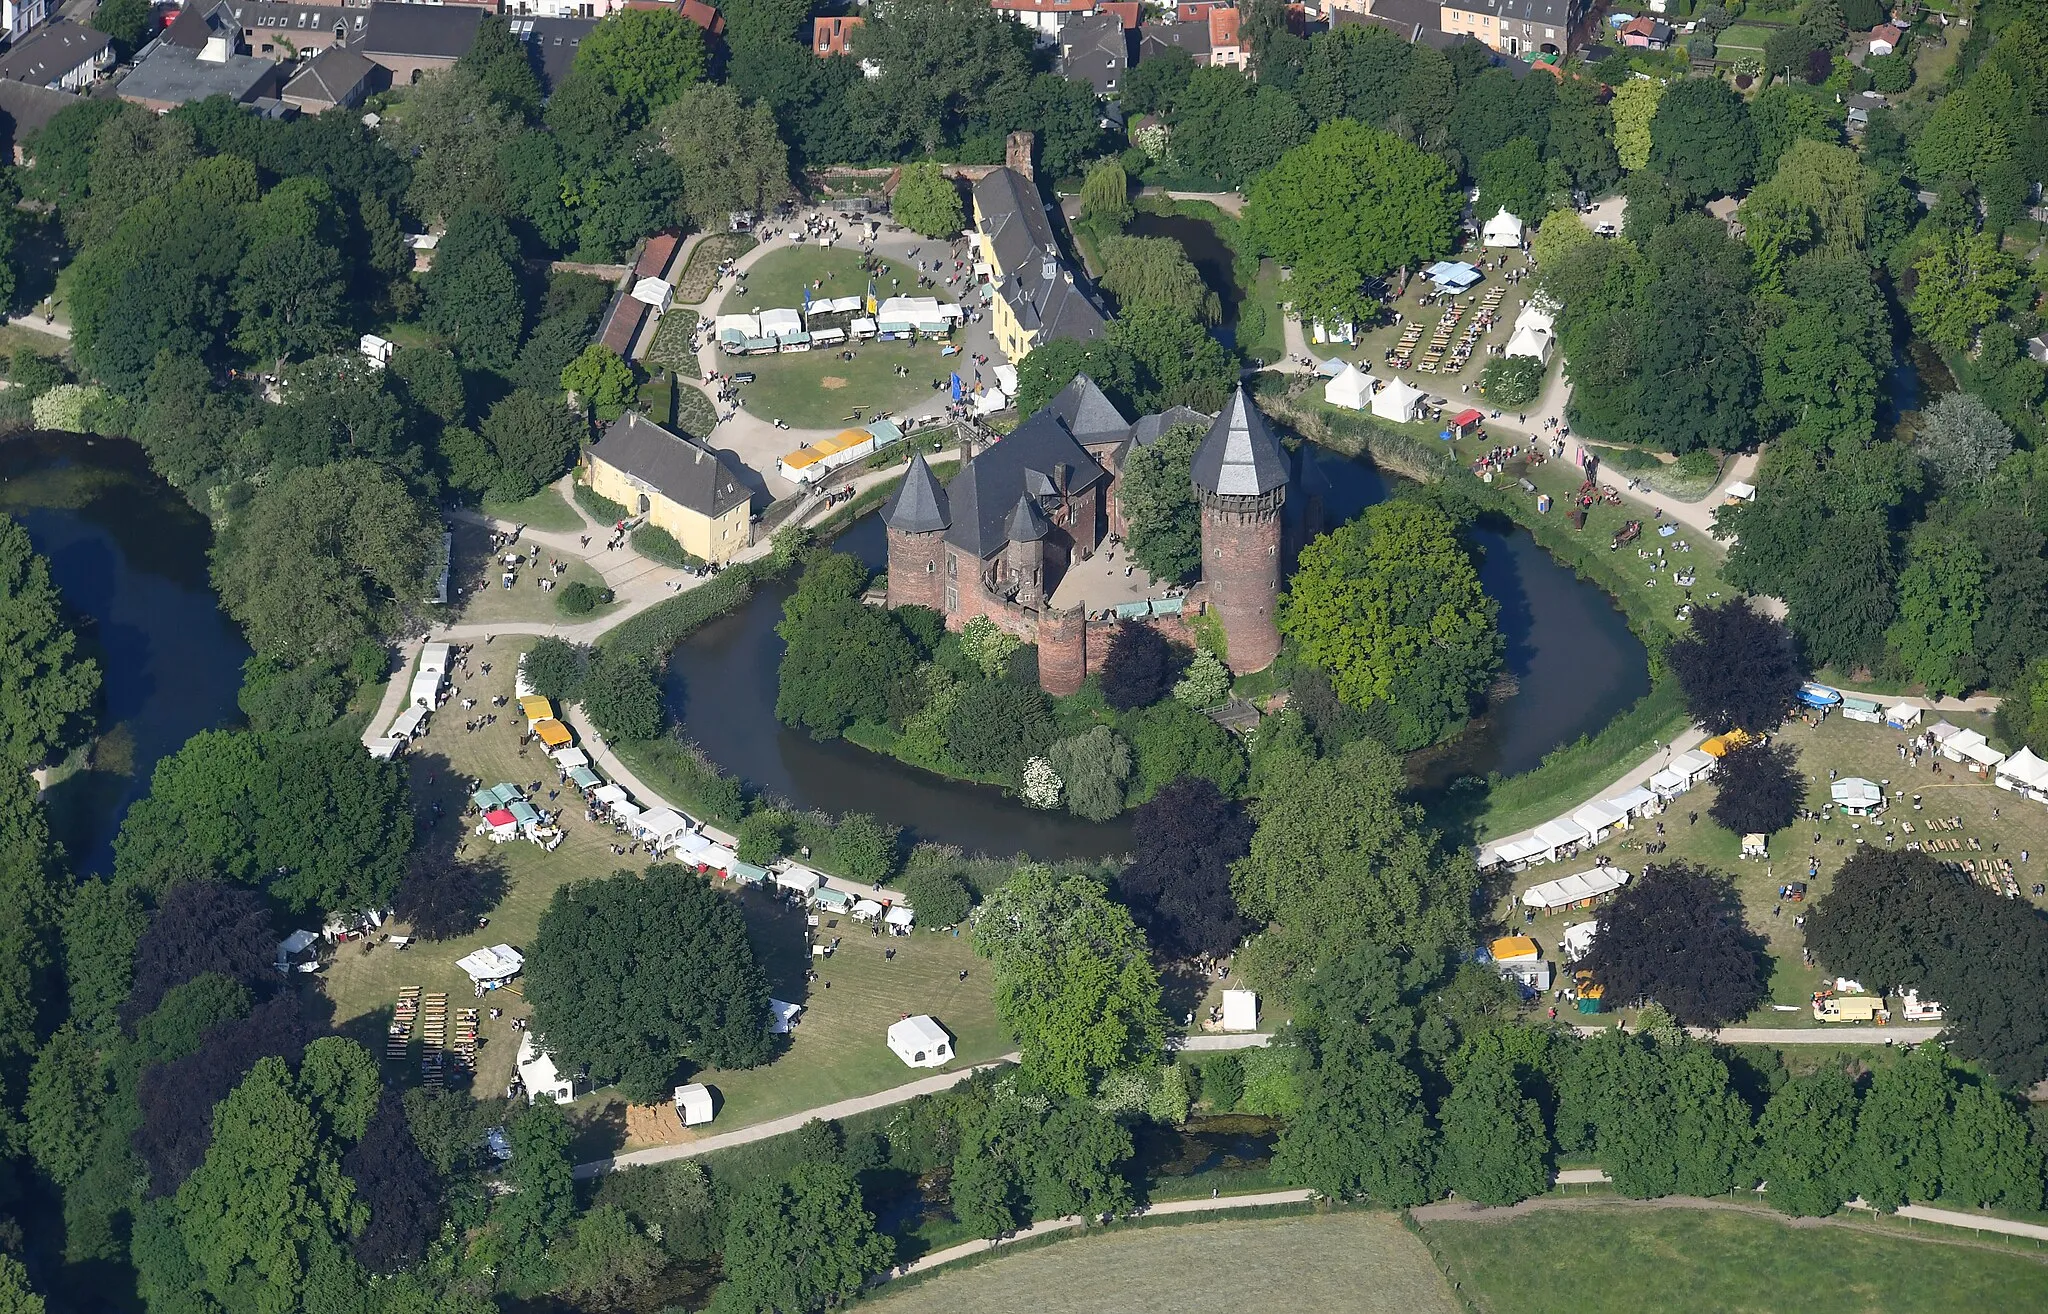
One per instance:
[(1240, 476), (916, 520)]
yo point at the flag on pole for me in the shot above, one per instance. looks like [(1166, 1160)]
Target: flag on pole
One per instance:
[(956, 387), (873, 305), (807, 299)]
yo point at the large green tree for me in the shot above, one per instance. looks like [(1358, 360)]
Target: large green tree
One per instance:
[(1702, 141), (48, 689), (1496, 1148), (1659, 1114), (1154, 272), (730, 153), (1390, 608), (533, 438), (453, 128), (800, 1243), (474, 297), (1162, 523), (1360, 1131), (1806, 1134), (632, 975), (646, 57), (927, 201), (841, 660)]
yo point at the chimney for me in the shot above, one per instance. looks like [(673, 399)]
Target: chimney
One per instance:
[(1017, 148)]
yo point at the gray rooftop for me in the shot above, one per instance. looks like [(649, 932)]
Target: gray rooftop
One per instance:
[(554, 42), (29, 108), (422, 31), (1088, 413), (175, 75), (1149, 428), (330, 76), (678, 469), (1035, 458), (1093, 49), (1027, 523), (1240, 457), (918, 506), (46, 55), (1037, 284)]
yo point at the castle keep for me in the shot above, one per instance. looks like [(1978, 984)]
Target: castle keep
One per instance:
[(998, 538)]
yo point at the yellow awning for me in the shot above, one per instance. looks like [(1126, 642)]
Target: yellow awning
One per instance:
[(536, 708), (1511, 947), (553, 733)]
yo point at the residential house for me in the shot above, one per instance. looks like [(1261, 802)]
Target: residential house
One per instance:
[(1044, 17), (168, 74), (703, 15), (1155, 39), (1094, 49), (1226, 50), (26, 109), (1417, 22), (1037, 297), (266, 28), (554, 42), (1861, 106), (18, 16), (1646, 33), (687, 490), (64, 56), (1884, 39), (411, 40), (833, 35), (1129, 12), (1515, 27), (335, 78)]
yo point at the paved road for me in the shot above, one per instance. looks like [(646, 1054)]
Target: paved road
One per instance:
[(761, 1131), (968, 1249)]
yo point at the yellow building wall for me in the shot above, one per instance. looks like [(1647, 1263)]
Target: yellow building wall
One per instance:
[(719, 539), (1003, 325)]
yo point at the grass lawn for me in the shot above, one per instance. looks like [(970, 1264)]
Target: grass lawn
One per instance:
[(478, 589), (837, 1050), (1269, 290), (780, 277), (694, 284), (15, 338), (1370, 352), (670, 349), (1353, 1261), (1743, 36), (1596, 1259), (1853, 749), (544, 510)]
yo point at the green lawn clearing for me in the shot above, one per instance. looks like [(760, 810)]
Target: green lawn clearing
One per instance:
[(1596, 1259), (544, 510), (1742, 36), (476, 583), (1353, 1262)]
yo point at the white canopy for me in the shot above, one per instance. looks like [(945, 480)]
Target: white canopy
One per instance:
[(1398, 400), (386, 748), (693, 1103), (1599, 816), (920, 1041), (626, 812), (566, 758), (1503, 230), (2024, 768), (1856, 794), (899, 916), (537, 1072), (613, 794), (654, 292), (1742, 492), (1351, 389), (1576, 939), (1240, 1010), (781, 1015), (1692, 764), (737, 326), (500, 962), (863, 909), (1635, 801), (1531, 342), (1520, 850), (1562, 831), (799, 878), (1668, 782), (1971, 745), (1537, 315), (662, 825), (295, 943), (1982, 753), (1006, 378), (715, 856), (775, 323), (1941, 732), (1901, 715), (1567, 890)]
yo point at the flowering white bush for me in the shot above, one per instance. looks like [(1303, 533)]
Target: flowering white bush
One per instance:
[(63, 407), (1041, 784), (1206, 683), (1156, 140)]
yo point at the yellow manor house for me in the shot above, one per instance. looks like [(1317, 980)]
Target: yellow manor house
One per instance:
[(679, 486)]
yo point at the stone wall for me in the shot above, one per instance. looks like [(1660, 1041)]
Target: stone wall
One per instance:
[(1241, 568), (916, 571)]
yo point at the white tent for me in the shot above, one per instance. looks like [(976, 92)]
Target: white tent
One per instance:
[(865, 910), (654, 292), (1240, 1010), (798, 879), (386, 748), (1398, 401), (1941, 732), (920, 1042), (1503, 230), (661, 826), (1983, 754), (1636, 803), (497, 964), (1514, 852), (1560, 831), (566, 758), (1692, 765), (1351, 389), (1531, 342), (1856, 796), (613, 794), (693, 1104), (1568, 890), (292, 946), (782, 1016), (1969, 746), (1900, 715), (1343, 331), (899, 916), (1576, 939), (409, 722), (1600, 817), (1667, 782), (1006, 379), (737, 328), (778, 323), (1537, 315), (1742, 492), (537, 1072), (2023, 771)]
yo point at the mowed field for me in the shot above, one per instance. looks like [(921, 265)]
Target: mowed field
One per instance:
[(1597, 1259), (1343, 1263)]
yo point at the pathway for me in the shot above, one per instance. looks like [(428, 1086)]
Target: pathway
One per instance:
[(762, 1131), (968, 1249), (1202, 1044), (1847, 1035), (37, 324)]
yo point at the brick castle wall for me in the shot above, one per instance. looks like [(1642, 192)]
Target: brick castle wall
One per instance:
[(917, 574), (1241, 568), (1063, 650)]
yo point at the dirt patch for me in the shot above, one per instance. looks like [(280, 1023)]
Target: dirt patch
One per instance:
[(831, 381), (656, 1124)]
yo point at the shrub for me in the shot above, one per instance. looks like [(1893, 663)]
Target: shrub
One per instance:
[(1092, 766), (763, 837), (1041, 783), (1207, 682), (578, 599), (620, 693), (1513, 380), (939, 898), (554, 669), (1140, 668), (598, 507), (660, 546)]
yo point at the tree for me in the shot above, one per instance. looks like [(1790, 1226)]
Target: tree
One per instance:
[(1787, 52), (1701, 140), (68, 1091), (841, 659), (1962, 439), (500, 64), (1560, 233), (1658, 1112), (442, 896), (200, 928), (177, 1099), (645, 57), (1513, 178), (1390, 607), (303, 818), (16, 1295), (452, 130), (1185, 838), (1757, 788), (1206, 683), (631, 976), (1496, 1149), (128, 22), (1676, 935), (1360, 1131), (997, 726), (800, 1243), (927, 202), (1823, 22), (290, 293), (939, 897), (1806, 1133), (398, 1189), (1963, 280), (621, 696), (607, 1260), (473, 293), (1513, 380), (1154, 273), (533, 438), (1578, 141), (1941, 603), (1784, 115), (600, 380), (1987, 1155), (1339, 859), (1355, 196), (554, 668), (1737, 667), (1139, 668), (1073, 982), (1172, 740), (1171, 361), (542, 1205), (48, 689), (1156, 83), (1633, 106), (1093, 767), (1106, 191), (730, 153), (1897, 1148)]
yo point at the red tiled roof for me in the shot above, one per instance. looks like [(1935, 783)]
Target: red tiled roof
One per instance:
[(703, 15), (1192, 13), (1222, 27), (1644, 26), (655, 256), (833, 36), (1887, 34), (1129, 12)]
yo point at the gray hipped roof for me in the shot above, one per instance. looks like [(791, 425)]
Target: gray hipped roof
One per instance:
[(1041, 290), (1036, 454), (1088, 414), (678, 469), (1149, 428), (918, 506), (1027, 523), (1240, 457)]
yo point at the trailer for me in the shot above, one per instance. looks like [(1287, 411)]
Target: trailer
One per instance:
[(1831, 1007)]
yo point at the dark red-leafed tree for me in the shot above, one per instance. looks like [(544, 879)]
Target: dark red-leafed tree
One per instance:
[(1738, 668), (399, 1187), (1676, 935), (202, 926), (177, 1098), (1178, 886), (1140, 667), (1758, 788)]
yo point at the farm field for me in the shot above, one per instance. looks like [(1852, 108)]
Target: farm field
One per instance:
[(1354, 1262), (1598, 1259)]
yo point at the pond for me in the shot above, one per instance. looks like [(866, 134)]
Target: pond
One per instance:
[(129, 556), (1207, 252), (1918, 375), (1570, 653)]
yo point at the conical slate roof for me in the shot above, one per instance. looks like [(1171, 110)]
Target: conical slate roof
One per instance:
[(1240, 457), (1088, 414), (918, 506), (1027, 523)]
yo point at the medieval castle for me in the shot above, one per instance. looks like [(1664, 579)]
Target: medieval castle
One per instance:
[(999, 537)]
